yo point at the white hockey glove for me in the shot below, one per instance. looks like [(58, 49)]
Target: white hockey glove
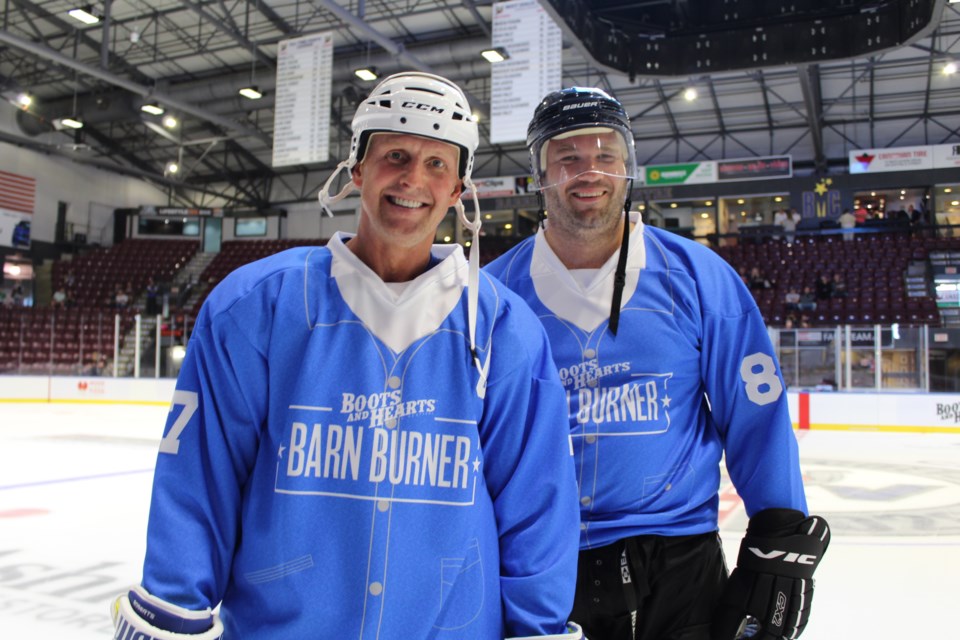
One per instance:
[(768, 595), (141, 616), (573, 632)]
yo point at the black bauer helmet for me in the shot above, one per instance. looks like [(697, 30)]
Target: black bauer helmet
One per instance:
[(578, 109)]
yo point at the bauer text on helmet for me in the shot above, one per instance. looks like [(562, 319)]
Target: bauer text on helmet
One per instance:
[(577, 131)]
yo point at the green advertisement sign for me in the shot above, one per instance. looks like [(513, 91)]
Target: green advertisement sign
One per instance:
[(685, 173)]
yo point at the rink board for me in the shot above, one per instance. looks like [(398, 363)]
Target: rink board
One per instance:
[(837, 411)]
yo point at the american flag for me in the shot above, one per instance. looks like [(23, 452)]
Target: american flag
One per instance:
[(17, 193)]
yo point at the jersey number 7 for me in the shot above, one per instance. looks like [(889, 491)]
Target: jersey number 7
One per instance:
[(189, 401)]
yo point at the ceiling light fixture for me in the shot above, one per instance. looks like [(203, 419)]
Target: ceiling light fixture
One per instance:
[(171, 168), (252, 92), (72, 122), (949, 69), (24, 100), (152, 108), (170, 122), (84, 15), (367, 74), (495, 55), (689, 94)]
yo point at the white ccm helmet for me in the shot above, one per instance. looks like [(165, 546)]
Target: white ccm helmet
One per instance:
[(414, 103), (423, 104)]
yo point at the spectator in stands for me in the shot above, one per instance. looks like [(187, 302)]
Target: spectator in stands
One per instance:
[(16, 295), (861, 214), (824, 287), (790, 321), (59, 298), (69, 280), (791, 300), (847, 221), (152, 301), (779, 217), (838, 287), (808, 300), (805, 321), (790, 225), (758, 281), (733, 230), (121, 300)]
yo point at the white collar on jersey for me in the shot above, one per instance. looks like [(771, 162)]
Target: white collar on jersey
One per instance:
[(585, 306), (399, 319)]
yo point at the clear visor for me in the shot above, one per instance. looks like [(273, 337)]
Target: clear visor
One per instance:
[(575, 154)]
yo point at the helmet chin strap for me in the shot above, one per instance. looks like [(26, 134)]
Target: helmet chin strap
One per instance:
[(473, 282), (326, 200), (620, 275)]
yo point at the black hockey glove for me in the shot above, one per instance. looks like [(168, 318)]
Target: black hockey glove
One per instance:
[(768, 595)]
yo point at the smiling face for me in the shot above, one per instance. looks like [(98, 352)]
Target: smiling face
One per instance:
[(588, 189), (407, 184)]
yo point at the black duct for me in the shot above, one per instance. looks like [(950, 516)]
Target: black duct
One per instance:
[(92, 108), (693, 37)]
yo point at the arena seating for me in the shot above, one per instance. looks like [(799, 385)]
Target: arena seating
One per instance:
[(46, 340), (236, 253), (131, 263), (872, 265)]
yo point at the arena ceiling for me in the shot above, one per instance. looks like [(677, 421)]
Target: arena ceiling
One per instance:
[(192, 56)]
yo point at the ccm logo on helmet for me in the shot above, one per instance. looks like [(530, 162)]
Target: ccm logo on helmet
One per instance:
[(798, 558), (419, 106), (581, 105)]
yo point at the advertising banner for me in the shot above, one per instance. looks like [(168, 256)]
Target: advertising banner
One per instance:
[(896, 159), (685, 173), (755, 168), (946, 156)]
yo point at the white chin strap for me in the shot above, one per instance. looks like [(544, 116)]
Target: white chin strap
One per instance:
[(326, 201), (473, 282)]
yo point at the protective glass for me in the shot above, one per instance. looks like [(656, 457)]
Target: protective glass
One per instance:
[(571, 154)]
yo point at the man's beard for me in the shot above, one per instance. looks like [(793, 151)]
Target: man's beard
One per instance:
[(560, 213)]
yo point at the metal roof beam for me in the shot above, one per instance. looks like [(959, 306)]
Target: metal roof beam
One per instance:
[(396, 49), (813, 101), (45, 52), (232, 33)]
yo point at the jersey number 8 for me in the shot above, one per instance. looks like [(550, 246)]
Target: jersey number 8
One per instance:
[(759, 374)]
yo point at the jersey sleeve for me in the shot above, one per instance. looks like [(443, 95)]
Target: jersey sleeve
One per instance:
[(208, 448), (529, 471), (747, 395)]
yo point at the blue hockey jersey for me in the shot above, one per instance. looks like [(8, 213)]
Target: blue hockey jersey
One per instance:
[(329, 471), (690, 375)]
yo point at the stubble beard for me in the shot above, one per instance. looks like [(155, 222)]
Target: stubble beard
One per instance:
[(586, 225)]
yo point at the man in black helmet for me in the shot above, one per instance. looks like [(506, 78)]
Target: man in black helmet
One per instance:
[(667, 366)]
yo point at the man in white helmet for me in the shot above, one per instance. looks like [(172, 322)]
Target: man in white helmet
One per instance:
[(367, 439)]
